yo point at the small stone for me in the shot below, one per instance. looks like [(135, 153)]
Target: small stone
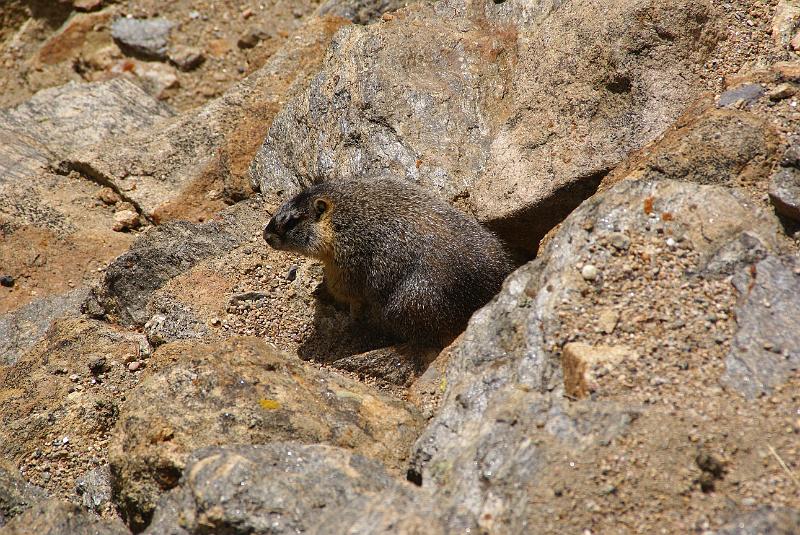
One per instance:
[(247, 13), (74, 377), (186, 58), (784, 192), (292, 274), (607, 321), (7, 281), (589, 272), (97, 365), (251, 37), (783, 91), (147, 38), (620, 241), (795, 42), (87, 5), (126, 220), (584, 364), (135, 365), (744, 94)]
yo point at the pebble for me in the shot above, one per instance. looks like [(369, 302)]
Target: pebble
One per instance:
[(135, 365), (186, 58), (143, 37), (125, 220), (620, 241), (589, 272), (7, 281), (292, 274), (251, 37)]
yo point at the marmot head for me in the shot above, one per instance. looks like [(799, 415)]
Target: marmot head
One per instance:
[(301, 224)]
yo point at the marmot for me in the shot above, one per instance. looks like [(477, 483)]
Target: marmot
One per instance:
[(417, 264)]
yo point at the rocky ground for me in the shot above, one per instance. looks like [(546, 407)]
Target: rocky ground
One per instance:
[(163, 371)]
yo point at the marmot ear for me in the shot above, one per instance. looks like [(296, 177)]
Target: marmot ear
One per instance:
[(320, 206)]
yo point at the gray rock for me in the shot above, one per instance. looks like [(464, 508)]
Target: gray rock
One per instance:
[(282, 488), (16, 494), (146, 38), (765, 351), (94, 488), (46, 126), (160, 254), (156, 166), (242, 391), (186, 58), (784, 192), (428, 113), (172, 321), (764, 521), (55, 517), (744, 94), (23, 327), (361, 11), (504, 415)]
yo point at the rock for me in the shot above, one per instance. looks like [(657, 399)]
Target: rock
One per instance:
[(87, 5), (766, 349), (589, 272), (583, 366), (784, 187), (125, 220), (743, 95), (257, 489), (145, 38), (16, 495), (22, 328), (607, 320), (195, 165), (186, 58), (783, 91), (503, 425), (48, 120), (7, 281), (242, 391), (708, 146), (70, 40), (160, 254), (156, 78), (785, 22), (361, 11), (391, 364), (51, 222), (763, 521), (56, 517), (175, 321), (251, 37), (40, 400), (94, 488), (428, 113)]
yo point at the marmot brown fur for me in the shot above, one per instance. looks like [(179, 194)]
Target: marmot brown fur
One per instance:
[(417, 264)]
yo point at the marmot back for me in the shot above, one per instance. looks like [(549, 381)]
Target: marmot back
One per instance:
[(421, 266)]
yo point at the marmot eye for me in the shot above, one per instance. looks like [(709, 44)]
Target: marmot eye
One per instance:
[(320, 206)]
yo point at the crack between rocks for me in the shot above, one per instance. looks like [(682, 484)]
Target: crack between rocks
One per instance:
[(91, 174)]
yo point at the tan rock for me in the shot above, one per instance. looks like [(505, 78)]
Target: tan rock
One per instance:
[(243, 391), (584, 365), (787, 17), (126, 220), (74, 35)]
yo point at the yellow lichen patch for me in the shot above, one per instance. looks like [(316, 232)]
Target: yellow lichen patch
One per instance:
[(269, 404)]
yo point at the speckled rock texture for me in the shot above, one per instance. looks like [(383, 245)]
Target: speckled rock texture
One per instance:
[(242, 391), (508, 84)]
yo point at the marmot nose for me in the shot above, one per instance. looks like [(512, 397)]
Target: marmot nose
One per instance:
[(271, 235)]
